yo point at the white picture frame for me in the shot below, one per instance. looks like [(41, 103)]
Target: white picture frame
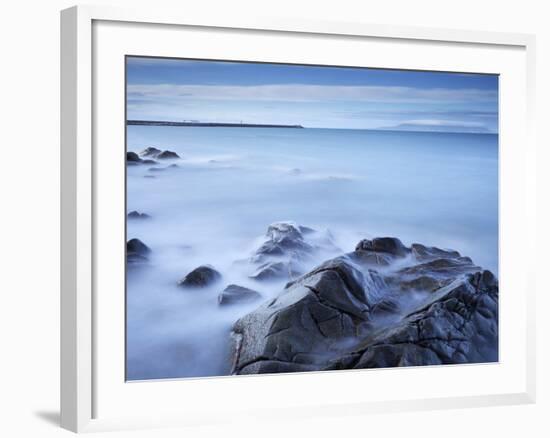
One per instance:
[(85, 374)]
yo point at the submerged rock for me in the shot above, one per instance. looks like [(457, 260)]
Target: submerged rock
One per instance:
[(137, 215), (167, 155), (136, 252), (202, 276), (382, 305), (234, 294), (162, 169)]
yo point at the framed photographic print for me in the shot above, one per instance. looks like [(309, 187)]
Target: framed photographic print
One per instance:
[(257, 209)]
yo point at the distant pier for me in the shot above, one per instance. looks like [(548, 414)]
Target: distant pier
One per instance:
[(209, 124)]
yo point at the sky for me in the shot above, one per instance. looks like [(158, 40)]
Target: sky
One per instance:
[(311, 96)]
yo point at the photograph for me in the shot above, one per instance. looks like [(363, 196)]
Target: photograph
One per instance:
[(289, 218)]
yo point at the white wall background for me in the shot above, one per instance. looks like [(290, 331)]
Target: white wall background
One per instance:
[(29, 214)]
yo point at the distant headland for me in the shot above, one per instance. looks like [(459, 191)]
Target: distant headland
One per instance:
[(209, 124)]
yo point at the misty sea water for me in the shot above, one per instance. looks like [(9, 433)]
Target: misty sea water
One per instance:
[(438, 189)]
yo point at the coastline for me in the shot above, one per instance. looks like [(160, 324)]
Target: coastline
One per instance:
[(209, 124)]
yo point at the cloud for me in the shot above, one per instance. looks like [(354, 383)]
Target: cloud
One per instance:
[(311, 93), (327, 106)]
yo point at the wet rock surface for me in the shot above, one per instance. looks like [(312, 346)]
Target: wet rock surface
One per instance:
[(382, 305), (202, 276)]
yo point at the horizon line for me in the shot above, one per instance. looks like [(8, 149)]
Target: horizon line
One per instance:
[(196, 123)]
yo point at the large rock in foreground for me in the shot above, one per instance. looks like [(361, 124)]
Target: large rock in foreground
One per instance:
[(383, 305)]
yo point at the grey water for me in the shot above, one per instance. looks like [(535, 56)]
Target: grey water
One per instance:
[(438, 189)]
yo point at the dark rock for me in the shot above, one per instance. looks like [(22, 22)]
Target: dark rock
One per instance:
[(460, 326), (280, 231), (388, 306), (441, 268), (149, 162), (389, 245), (234, 294), (137, 215), (288, 251), (422, 283), (137, 252), (423, 253), (202, 276), (167, 155), (136, 246), (287, 240), (355, 311), (150, 152), (132, 157), (312, 317), (280, 243), (373, 259), (270, 271)]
